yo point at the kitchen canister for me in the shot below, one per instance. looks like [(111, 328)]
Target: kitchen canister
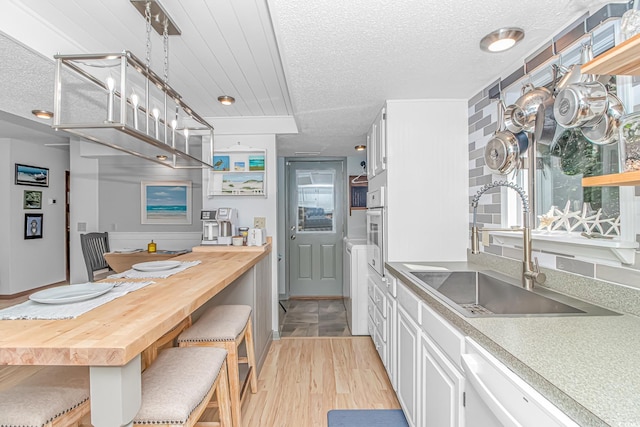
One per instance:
[(236, 240), (630, 142)]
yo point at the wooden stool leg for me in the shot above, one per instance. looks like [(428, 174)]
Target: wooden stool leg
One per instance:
[(234, 383), (223, 397), (251, 356)]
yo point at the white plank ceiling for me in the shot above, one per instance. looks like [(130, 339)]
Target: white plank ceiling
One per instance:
[(328, 63)]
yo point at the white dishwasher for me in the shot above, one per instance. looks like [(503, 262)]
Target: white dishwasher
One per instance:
[(354, 284), (495, 396)]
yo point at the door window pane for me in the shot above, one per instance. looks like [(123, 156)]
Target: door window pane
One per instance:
[(316, 200)]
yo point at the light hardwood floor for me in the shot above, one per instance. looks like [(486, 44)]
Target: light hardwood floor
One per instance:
[(302, 379)]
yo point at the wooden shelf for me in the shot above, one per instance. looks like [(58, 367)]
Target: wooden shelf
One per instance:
[(613, 180), (623, 59)]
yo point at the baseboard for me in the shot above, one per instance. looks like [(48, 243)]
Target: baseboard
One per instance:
[(317, 298), (30, 291)]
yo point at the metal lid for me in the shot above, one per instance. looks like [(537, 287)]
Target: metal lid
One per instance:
[(495, 154), (566, 107)]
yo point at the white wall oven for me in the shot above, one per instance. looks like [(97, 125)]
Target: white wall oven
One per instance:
[(375, 230)]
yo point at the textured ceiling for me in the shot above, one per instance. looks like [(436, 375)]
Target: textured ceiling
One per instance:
[(342, 59), (329, 63)]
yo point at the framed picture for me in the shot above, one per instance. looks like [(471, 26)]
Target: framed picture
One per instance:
[(32, 175), (166, 202), (221, 163), (32, 199), (33, 226)]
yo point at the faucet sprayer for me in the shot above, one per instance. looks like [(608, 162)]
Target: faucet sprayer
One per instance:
[(530, 273)]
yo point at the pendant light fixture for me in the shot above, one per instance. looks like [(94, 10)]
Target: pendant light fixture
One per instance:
[(115, 99)]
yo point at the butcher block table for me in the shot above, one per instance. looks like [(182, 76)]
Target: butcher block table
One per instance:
[(111, 337), (122, 261)]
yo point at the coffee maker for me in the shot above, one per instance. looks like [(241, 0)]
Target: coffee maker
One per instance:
[(219, 226)]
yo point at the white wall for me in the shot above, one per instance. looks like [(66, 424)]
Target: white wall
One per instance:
[(83, 205), (253, 206), (32, 263)]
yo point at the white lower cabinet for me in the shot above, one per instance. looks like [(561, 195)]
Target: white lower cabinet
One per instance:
[(441, 388), (408, 367)]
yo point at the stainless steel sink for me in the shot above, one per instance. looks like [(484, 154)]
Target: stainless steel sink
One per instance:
[(479, 294)]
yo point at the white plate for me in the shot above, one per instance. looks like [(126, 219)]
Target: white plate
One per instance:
[(71, 293), (156, 265)]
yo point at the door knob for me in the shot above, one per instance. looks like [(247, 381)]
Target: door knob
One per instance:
[(293, 237)]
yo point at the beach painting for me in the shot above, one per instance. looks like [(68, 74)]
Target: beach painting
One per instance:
[(221, 163), (166, 202), (243, 184), (32, 175), (238, 166), (256, 163)]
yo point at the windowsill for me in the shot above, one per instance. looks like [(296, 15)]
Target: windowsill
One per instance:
[(573, 244)]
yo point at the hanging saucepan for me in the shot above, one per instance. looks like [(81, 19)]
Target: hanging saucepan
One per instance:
[(502, 152), (514, 118), (581, 104), (529, 103), (546, 126), (606, 130)]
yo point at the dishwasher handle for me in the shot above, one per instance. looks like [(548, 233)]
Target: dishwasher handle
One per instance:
[(473, 366)]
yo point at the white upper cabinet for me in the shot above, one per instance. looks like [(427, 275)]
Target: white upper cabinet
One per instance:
[(377, 145)]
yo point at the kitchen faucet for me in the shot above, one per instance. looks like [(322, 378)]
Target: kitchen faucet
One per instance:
[(530, 272)]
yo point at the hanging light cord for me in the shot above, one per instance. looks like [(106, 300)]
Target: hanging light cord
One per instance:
[(165, 37), (147, 17)]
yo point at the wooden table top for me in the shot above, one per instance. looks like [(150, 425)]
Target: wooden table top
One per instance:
[(120, 262), (114, 333)]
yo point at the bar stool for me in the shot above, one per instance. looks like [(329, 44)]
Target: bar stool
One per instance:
[(179, 384), (56, 396), (226, 326)]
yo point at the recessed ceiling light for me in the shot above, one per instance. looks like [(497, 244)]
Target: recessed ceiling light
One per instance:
[(161, 157), (42, 114), (226, 100), (501, 39), (360, 147)]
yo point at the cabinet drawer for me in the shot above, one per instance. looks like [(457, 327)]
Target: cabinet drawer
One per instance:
[(409, 302), (371, 308), (391, 283), (380, 299), (381, 325), (448, 338)]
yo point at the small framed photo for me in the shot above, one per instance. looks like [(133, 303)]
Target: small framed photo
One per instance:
[(32, 175), (33, 226), (32, 199), (166, 202)]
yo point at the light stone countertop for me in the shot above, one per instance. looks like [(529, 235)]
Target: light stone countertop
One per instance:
[(588, 366)]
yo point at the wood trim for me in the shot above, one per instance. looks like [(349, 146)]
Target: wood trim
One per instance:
[(30, 291), (613, 180), (620, 60)]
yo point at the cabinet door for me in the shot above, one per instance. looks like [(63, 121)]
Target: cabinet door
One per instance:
[(442, 386), (408, 336), (371, 152), (391, 341), (380, 142)]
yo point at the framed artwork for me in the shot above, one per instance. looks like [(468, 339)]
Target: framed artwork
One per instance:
[(32, 199), (33, 226), (32, 175), (238, 171), (165, 202), (221, 163)]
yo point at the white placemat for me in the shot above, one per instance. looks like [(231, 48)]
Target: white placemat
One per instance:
[(135, 274), (30, 310)]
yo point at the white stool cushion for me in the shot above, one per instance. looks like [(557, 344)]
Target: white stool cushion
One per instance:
[(44, 396), (221, 323), (177, 382)]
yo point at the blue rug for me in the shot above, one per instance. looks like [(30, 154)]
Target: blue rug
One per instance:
[(366, 418)]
